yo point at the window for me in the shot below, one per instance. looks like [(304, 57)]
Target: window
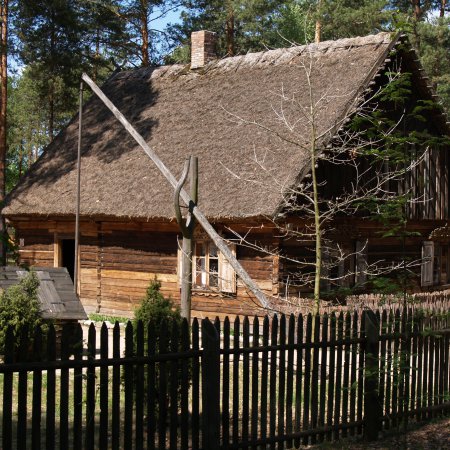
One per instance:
[(206, 267), (210, 269)]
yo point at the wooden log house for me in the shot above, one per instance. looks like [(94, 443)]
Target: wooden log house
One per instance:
[(219, 111)]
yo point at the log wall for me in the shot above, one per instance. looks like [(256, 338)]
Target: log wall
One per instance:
[(119, 260)]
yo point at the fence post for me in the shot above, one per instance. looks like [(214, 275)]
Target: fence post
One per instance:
[(210, 386), (372, 407)]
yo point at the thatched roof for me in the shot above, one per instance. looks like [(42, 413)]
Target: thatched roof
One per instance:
[(244, 169)]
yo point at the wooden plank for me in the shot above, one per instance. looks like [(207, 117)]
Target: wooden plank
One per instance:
[(8, 391), (264, 379), (315, 377), (431, 370), (185, 385), (307, 382), (446, 344), (226, 385), (37, 392), (22, 403), (361, 362), (414, 362), (78, 390), (382, 362), (396, 368), (346, 376), (245, 382), (331, 376), (353, 373), (323, 374), (298, 379), (282, 381), (273, 383), (173, 386), (290, 379), (210, 385), (236, 376), (164, 339), (90, 391), (195, 387), (104, 389), (338, 382), (129, 386), (51, 384), (64, 390), (443, 367), (405, 365), (372, 408), (151, 387), (255, 398), (139, 388)]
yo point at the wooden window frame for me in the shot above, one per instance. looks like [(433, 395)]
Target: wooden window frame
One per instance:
[(226, 276), (206, 273)]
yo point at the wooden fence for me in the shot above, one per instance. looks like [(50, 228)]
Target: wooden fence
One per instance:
[(276, 383)]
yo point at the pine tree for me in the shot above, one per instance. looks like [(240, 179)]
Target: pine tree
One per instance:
[(50, 35), (106, 42), (147, 43), (241, 25), (3, 91), (27, 126), (59, 39)]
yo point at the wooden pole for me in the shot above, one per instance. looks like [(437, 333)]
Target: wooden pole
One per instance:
[(187, 229), (77, 214), (202, 220), (210, 386)]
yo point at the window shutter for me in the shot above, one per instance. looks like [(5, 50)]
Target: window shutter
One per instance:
[(361, 262), (227, 275), (426, 276)]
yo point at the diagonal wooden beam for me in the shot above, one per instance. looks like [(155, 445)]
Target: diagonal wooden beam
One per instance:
[(202, 220)]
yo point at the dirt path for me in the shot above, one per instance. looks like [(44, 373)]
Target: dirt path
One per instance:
[(432, 436)]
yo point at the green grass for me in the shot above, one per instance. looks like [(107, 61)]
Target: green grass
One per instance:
[(102, 318)]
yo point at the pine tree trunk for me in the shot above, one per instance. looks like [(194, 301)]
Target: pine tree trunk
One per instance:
[(97, 54), (318, 31), (144, 33), (51, 92), (230, 29), (3, 108), (442, 8), (3, 93), (417, 9), (51, 110), (20, 162)]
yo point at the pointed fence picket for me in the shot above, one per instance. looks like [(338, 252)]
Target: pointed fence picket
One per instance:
[(271, 383)]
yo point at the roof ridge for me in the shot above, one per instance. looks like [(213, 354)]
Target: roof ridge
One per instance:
[(262, 58)]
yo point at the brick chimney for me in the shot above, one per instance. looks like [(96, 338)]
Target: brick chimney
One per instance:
[(203, 48)]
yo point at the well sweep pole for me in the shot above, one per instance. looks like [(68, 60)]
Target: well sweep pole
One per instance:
[(77, 214), (202, 220)]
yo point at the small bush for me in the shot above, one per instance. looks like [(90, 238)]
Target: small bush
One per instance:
[(156, 307), (19, 307)]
